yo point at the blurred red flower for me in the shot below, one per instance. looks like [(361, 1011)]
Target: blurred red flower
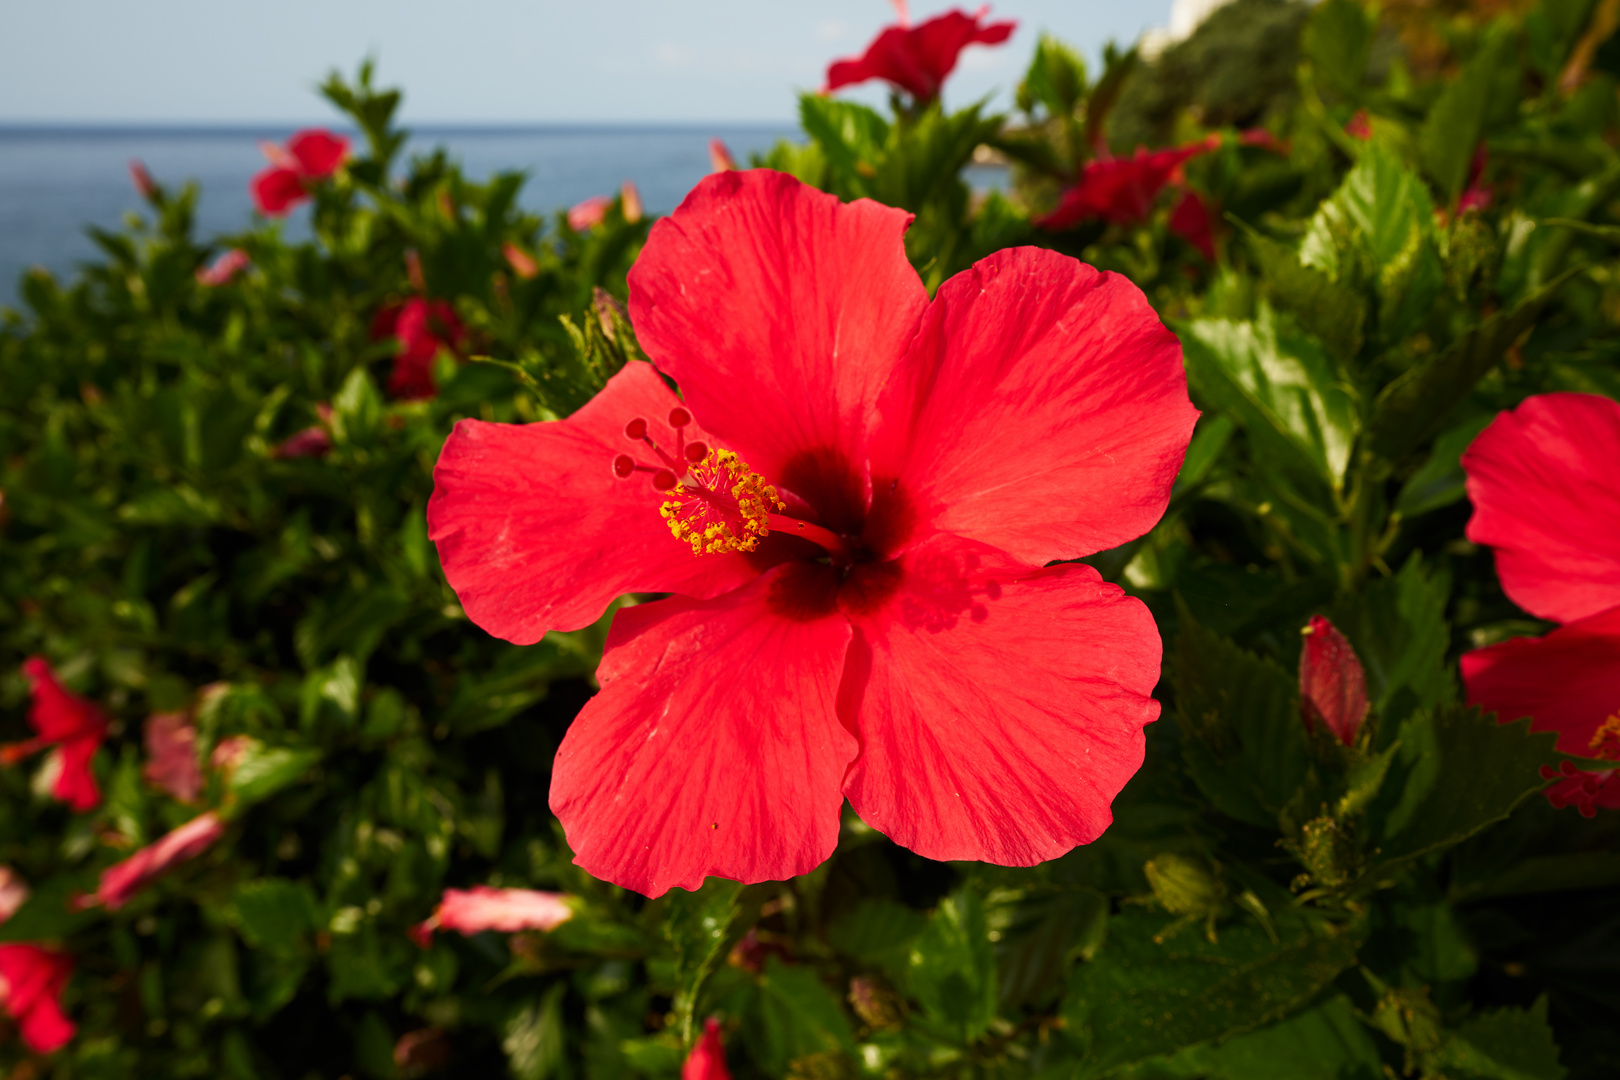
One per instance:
[(145, 186), (1542, 480), (925, 459), (122, 880), (472, 911), (707, 1061), (310, 155), (1332, 684), (1122, 190), (1193, 221), (1359, 126), (422, 328), (69, 722), (918, 59), (224, 268), (32, 979), (171, 755)]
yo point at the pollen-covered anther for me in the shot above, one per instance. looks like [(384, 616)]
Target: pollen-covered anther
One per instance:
[(1605, 742), (721, 505)]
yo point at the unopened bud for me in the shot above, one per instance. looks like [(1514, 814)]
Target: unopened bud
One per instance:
[(609, 310), (413, 271), (521, 262), (1332, 684), (630, 201), (144, 185), (720, 159)]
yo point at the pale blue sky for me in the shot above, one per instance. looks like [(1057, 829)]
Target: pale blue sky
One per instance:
[(486, 61)]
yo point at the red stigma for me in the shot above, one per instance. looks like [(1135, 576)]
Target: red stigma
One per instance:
[(696, 452), (663, 480), (636, 429), (623, 466), (679, 418)]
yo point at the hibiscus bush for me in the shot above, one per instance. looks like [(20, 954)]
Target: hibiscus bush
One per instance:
[(1157, 619)]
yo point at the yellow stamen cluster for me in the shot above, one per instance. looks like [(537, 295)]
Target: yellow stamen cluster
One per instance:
[(1606, 740), (722, 506)]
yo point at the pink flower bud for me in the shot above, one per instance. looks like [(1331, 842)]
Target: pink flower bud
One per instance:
[(171, 751), (142, 179), (590, 212), (630, 201), (471, 911), (121, 881), (720, 159), (223, 269), (313, 441), (13, 893), (1332, 684)]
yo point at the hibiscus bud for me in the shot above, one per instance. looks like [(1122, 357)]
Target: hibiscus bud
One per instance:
[(630, 201), (902, 13), (584, 215), (413, 270), (1359, 126), (121, 881), (13, 893), (1332, 685), (313, 441), (521, 262), (471, 911), (144, 185), (223, 269), (876, 1005), (720, 159), (707, 1061), (609, 310), (1326, 852), (422, 1051), (228, 753), (171, 751)]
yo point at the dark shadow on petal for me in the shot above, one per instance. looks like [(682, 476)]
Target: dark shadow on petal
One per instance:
[(804, 592), (827, 480)]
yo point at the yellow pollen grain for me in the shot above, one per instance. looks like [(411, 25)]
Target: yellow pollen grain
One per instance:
[(1606, 740), (697, 521)]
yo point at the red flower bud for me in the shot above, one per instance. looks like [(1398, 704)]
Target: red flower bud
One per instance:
[(707, 1060), (1332, 684)]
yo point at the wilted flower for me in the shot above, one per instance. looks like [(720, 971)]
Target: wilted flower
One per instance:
[(630, 201), (522, 263), (423, 328), (720, 159), (310, 155), (918, 59), (70, 723), (1122, 190), (224, 268), (480, 908), (707, 1061), (878, 482), (1332, 684), (171, 755), (588, 213), (32, 979), (145, 186), (122, 880), (1546, 499)]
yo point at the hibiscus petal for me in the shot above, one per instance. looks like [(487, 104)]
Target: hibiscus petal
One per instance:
[(318, 151), (536, 533), (1000, 707), (714, 747), (277, 190), (1042, 409), (1568, 682), (1542, 482), (781, 312)]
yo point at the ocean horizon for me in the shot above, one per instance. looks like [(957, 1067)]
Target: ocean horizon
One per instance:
[(57, 179)]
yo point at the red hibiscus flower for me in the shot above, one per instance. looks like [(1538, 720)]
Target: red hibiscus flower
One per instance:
[(472, 911), (69, 722), (1122, 190), (918, 59), (121, 881), (707, 1061), (310, 155), (877, 482), (171, 755), (1545, 498), (1332, 684), (224, 268), (32, 979), (423, 328), (1194, 222)]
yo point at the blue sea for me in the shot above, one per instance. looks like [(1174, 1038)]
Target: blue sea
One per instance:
[(56, 180)]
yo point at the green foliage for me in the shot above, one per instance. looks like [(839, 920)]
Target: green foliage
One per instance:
[(1269, 901)]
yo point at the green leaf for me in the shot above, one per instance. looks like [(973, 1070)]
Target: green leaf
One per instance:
[(1139, 1000), (1398, 627), (851, 136), (1452, 129), (1336, 39), (1056, 79), (1325, 1043), (952, 968), (1036, 934), (1324, 307), (1440, 481), (262, 771), (794, 1015), (1281, 385), (878, 932), (1382, 208), (1507, 1044), (535, 1039), (274, 913), (49, 913), (1456, 772), (356, 409), (1415, 404), (703, 926), (1248, 752)]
